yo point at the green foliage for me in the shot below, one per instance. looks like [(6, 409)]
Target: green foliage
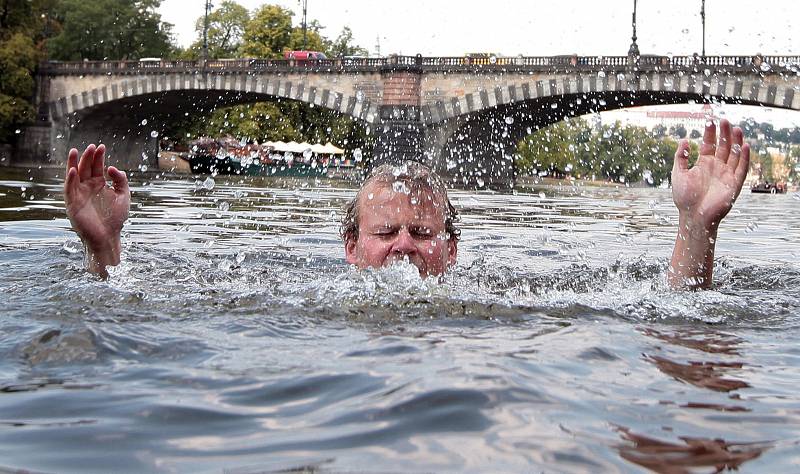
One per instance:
[(343, 45), (767, 132), (285, 121), (764, 164), (226, 26), (613, 153), (110, 29), (18, 58), (678, 132), (794, 164), (314, 41), (268, 33)]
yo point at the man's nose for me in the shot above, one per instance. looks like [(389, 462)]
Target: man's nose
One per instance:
[(404, 243)]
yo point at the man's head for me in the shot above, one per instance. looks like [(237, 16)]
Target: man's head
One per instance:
[(401, 212)]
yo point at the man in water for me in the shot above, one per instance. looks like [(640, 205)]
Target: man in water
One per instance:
[(403, 213)]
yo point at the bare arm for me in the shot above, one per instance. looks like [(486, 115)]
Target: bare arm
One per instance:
[(96, 211), (704, 195)]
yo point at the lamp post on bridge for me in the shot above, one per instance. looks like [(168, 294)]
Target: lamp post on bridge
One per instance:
[(305, 24), (205, 34), (633, 51), (703, 19)]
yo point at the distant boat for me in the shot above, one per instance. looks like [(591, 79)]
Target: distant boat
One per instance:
[(768, 188)]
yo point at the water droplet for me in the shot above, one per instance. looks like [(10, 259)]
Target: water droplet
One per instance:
[(144, 122), (480, 182), (142, 168), (765, 67), (209, 183), (509, 119), (224, 206), (400, 187), (17, 131), (307, 154), (493, 59), (71, 247), (541, 195), (357, 155), (154, 134)]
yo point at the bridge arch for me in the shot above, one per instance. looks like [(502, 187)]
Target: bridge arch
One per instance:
[(749, 89), (246, 86), (479, 145)]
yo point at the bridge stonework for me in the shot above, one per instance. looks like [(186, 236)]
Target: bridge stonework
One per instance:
[(463, 119)]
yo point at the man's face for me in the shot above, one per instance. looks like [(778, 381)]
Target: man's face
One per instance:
[(395, 226)]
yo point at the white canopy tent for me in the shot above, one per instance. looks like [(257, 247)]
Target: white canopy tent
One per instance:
[(294, 147)]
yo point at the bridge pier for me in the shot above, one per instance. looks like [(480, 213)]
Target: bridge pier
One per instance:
[(398, 141)]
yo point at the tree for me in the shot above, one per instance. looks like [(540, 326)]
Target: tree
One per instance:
[(616, 153), (659, 131), (268, 33), (552, 150), (678, 131), (794, 164), (343, 45), (695, 134), (110, 29), (226, 26), (18, 58)]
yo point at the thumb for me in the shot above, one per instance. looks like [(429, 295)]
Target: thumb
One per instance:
[(120, 180), (681, 162)]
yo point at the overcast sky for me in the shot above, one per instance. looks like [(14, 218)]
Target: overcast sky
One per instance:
[(540, 28)]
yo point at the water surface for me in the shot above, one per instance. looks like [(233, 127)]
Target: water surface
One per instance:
[(233, 337)]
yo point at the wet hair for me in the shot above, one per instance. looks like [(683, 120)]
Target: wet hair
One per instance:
[(410, 177)]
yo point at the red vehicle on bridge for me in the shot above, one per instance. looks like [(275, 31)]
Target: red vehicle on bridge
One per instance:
[(304, 55)]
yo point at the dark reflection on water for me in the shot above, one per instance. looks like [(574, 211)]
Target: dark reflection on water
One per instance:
[(233, 337)]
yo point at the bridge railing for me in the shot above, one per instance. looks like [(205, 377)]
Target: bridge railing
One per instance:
[(562, 63)]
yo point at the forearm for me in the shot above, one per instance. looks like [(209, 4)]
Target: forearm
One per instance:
[(100, 256), (692, 263)]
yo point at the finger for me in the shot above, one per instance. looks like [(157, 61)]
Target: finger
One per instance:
[(742, 167), (681, 162), (724, 147), (736, 148), (85, 165), (709, 145), (99, 161), (72, 159), (119, 179), (71, 184)]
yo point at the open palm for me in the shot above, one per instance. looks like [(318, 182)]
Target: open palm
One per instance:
[(706, 192), (97, 212)]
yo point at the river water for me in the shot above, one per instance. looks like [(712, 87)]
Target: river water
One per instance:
[(233, 337)]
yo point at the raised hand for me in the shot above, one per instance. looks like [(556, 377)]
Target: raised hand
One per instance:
[(704, 194), (97, 211)]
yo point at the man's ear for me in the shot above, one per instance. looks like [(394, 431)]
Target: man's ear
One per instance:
[(452, 247), (350, 251)]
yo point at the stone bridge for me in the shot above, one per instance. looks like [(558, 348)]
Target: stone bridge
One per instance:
[(461, 115)]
